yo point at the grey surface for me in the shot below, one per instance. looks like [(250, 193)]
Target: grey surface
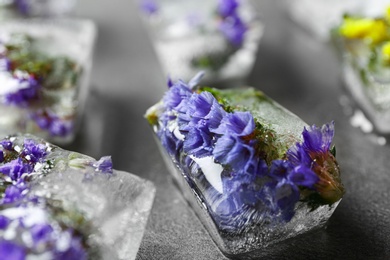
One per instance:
[(299, 72)]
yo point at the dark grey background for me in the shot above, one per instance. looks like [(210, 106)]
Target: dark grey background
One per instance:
[(294, 69)]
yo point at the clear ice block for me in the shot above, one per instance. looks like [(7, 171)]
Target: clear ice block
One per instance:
[(320, 16), (366, 66), (34, 8), (240, 160), (58, 204), (44, 72), (189, 36)]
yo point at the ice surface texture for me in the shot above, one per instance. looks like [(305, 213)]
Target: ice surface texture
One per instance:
[(255, 173), (34, 8), (57, 204), (44, 71), (189, 36), (365, 49)]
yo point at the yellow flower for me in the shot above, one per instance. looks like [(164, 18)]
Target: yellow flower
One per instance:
[(386, 52), (371, 30)]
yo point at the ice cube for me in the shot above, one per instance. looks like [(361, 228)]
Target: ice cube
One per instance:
[(44, 69), (60, 203), (189, 36), (34, 8), (254, 173), (320, 16), (366, 66)]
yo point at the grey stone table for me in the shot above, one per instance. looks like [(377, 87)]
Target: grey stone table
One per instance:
[(293, 68)]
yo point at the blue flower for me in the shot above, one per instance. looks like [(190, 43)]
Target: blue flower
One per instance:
[(169, 141), (11, 250), (7, 144), (149, 7), (23, 6), (199, 141), (14, 193), (5, 64), (202, 106), (299, 175), (41, 233), (56, 126), (104, 165), (15, 169), (4, 221), (234, 30), (227, 7), (32, 151), (29, 91), (174, 98), (233, 151), (238, 124)]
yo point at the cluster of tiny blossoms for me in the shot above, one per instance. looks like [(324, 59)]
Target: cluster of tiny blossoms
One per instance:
[(27, 226), (198, 125), (230, 23), (23, 89)]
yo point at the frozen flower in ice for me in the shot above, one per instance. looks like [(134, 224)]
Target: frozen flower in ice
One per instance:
[(235, 152), (227, 7), (237, 123), (104, 165), (204, 106), (14, 193), (33, 151), (12, 250), (371, 30), (149, 7), (23, 6), (15, 169), (314, 154), (27, 91), (177, 93), (6, 144), (5, 64), (233, 28), (198, 141), (55, 125)]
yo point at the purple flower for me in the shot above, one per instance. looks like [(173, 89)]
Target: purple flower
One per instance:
[(5, 64), (4, 221), (13, 193), (227, 7), (237, 124), (169, 141), (104, 165), (178, 93), (7, 144), (233, 151), (199, 141), (32, 151), (11, 251), (149, 7), (1, 156), (22, 6), (49, 121), (203, 106), (234, 30), (15, 169), (299, 175), (281, 199), (28, 91), (41, 233), (318, 139)]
